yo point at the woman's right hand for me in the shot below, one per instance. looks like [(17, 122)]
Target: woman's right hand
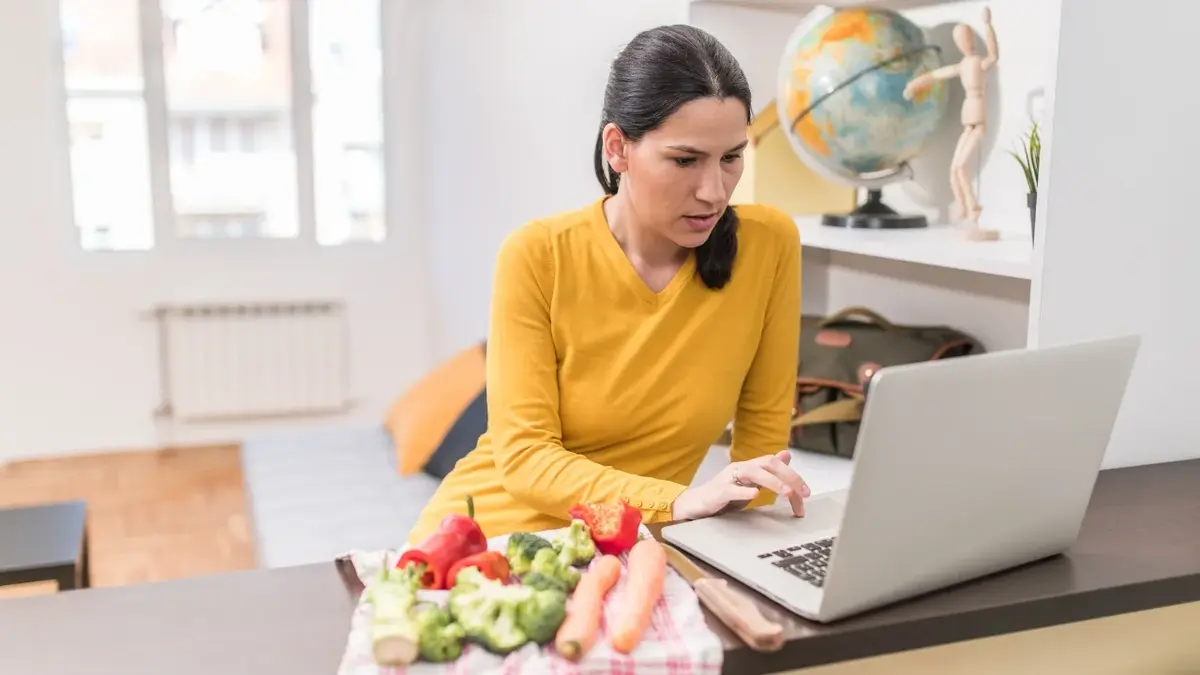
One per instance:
[(739, 483)]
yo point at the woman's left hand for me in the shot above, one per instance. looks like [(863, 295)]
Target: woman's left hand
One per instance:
[(739, 483)]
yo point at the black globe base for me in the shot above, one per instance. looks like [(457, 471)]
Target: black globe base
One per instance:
[(873, 214), (876, 221)]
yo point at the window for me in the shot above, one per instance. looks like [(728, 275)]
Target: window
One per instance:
[(264, 135), (347, 90), (106, 112)]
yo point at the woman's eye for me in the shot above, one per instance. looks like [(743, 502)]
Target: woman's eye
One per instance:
[(730, 158), (685, 161)]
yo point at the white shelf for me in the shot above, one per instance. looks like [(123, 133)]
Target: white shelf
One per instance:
[(801, 6), (936, 245)]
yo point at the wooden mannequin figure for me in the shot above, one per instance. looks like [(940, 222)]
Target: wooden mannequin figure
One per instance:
[(972, 72)]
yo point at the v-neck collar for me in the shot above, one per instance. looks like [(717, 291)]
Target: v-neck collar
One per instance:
[(629, 274)]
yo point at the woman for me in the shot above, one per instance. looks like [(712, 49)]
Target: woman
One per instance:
[(625, 335)]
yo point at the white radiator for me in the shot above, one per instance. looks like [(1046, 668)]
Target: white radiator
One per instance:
[(252, 360)]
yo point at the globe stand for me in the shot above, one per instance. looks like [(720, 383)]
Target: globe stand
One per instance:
[(873, 214)]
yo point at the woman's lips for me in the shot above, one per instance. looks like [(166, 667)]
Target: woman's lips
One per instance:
[(702, 222)]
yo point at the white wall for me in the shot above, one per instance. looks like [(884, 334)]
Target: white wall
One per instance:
[(995, 309), (513, 96), (1119, 247), (77, 364)]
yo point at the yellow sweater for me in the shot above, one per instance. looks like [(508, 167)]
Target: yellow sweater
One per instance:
[(599, 389)]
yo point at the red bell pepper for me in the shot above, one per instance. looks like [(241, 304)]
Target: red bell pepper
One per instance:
[(614, 527), (456, 537), (492, 564)]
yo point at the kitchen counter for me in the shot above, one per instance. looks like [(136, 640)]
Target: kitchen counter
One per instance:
[(1139, 550)]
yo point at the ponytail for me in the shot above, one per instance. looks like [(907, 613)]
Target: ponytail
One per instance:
[(714, 258)]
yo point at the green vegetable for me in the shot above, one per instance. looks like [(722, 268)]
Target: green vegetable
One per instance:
[(402, 629), (522, 547), (440, 638), (503, 618), (575, 546), (395, 634), (502, 635), (548, 563), (409, 576), (544, 583), (541, 615)]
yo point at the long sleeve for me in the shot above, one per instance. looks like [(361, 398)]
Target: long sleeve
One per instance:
[(523, 396), (763, 419)]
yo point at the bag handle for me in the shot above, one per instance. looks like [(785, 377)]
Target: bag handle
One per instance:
[(860, 312), (842, 410)]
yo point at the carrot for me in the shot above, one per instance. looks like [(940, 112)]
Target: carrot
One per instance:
[(577, 634), (646, 574)]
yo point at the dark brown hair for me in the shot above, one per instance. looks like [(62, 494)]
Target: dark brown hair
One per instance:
[(654, 75)]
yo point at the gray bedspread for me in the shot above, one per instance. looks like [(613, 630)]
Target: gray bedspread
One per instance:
[(316, 493)]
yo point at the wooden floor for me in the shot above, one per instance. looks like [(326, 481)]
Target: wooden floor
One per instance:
[(154, 516)]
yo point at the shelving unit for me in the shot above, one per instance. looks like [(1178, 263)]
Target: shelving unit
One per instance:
[(937, 245), (933, 275), (1111, 256)]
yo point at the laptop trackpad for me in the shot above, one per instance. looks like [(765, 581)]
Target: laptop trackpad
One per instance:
[(822, 513)]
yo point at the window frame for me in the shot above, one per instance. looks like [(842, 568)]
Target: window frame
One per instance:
[(154, 96)]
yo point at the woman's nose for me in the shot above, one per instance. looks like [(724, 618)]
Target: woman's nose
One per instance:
[(711, 189)]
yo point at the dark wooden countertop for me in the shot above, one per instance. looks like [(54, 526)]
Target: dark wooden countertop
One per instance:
[(1139, 549)]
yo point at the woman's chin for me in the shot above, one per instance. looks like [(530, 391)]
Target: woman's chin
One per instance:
[(692, 238)]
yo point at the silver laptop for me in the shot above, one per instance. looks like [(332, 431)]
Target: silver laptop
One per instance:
[(963, 467)]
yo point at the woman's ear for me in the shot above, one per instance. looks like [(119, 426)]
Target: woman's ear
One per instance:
[(615, 148)]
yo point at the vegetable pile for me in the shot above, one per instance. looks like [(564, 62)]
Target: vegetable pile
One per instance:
[(544, 590)]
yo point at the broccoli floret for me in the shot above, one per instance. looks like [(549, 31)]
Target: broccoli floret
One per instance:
[(503, 635), (469, 579), (548, 563), (440, 638), (502, 617), (488, 616), (522, 546), (541, 582), (540, 616), (486, 610), (575, 546), (464, 594), (409, 575)]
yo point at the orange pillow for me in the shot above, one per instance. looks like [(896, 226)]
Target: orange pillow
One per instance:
[(420, 418)]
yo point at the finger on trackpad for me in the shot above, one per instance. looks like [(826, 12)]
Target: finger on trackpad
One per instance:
[(824, 508)]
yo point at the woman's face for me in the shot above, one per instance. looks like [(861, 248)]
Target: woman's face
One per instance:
[(680, 176)]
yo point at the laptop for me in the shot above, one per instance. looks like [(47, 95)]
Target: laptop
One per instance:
[(963, 467)]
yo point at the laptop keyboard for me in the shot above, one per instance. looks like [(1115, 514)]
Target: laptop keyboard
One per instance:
[(806, 561)]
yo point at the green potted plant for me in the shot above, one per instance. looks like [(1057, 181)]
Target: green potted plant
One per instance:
[(1030, 160)]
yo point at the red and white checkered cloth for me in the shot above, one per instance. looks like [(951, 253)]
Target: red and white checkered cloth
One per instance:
[(677, 642)]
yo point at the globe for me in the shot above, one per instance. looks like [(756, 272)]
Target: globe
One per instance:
[(841, 103)]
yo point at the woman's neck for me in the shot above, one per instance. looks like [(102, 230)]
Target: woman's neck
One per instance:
[(639, 241)]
